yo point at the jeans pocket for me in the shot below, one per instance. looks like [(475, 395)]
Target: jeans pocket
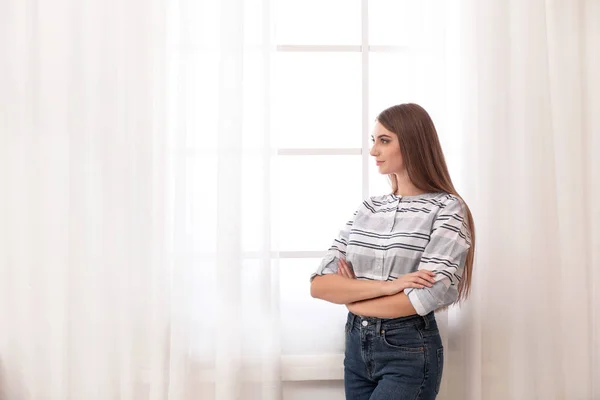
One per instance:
[(440, 368), (407, 341)]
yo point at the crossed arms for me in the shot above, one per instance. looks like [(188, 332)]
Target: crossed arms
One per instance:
[(381, 299)]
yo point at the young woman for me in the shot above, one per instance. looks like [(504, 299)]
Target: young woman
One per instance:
[(401, 257)]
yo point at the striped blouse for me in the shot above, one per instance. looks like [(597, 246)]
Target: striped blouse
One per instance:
[(391, 235)]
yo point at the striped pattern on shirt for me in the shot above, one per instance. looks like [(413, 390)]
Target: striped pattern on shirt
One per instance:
[(390, 236)]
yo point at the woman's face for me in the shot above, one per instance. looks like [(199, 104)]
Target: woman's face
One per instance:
[(386, 150)]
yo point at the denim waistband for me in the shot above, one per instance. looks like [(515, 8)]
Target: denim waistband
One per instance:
[(391, 323)]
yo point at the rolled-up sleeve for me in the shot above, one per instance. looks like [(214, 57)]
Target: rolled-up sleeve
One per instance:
[(329, 263), (445, 254)]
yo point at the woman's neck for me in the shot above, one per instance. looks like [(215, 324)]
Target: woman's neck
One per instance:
[(406, 187)]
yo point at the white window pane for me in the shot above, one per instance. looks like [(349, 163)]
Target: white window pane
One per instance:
[(254, 21), (254, 194), (195, 227), (254, 119), (334, 22), (196, 222), (193, 111), (197, 23), (308, 325), (317, 195), (317, 100), (198, 303), (194, 303), (378, 184), (198, 225), (396, 22), (411, 77), (255, 301)]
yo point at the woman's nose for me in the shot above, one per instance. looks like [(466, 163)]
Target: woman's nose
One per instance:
[(372, 151)]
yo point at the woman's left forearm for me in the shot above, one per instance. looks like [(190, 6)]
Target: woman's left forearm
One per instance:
[(394, 306)]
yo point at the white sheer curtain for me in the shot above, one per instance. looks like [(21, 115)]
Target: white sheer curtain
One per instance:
[(82, 213), (224, 332), (136, 210), (135, 228), (531, 94)]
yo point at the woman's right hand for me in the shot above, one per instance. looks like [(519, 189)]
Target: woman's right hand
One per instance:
[(418, 279)]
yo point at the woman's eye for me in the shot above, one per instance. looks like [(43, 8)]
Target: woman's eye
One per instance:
[(384, 141)]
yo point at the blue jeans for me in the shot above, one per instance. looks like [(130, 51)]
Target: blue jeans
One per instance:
[(400, 358)]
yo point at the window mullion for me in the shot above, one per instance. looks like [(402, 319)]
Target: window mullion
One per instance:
[(365, 97)]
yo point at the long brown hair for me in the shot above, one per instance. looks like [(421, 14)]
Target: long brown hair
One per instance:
[(426, 166)]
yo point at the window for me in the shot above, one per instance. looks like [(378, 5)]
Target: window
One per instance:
[(338, 64)]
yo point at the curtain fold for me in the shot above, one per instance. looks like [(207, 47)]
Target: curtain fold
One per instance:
[(530, 330)]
